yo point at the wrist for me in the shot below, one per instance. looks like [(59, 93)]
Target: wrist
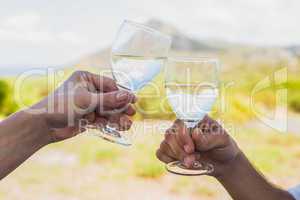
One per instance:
[(230, 166), (40, 112), (37, 125)]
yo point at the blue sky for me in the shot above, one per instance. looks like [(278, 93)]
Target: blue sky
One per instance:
[(39, 32)]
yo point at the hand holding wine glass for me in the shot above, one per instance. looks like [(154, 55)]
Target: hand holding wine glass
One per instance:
[(192, 89), (208, 143), (137, 56)]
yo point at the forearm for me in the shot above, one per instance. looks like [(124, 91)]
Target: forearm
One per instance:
[(21, 135), (243, 182)]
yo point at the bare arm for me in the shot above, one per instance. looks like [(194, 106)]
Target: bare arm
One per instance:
[(21, 135), (212, 144), (243, 182)]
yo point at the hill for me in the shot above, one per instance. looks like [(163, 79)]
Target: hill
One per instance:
[(183, 44)]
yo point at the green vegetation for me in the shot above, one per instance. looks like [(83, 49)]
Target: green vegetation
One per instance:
[(294, 94), (92, 153), (100, 166), (148, 168), (7, 105), (205, 191), (236, 87)]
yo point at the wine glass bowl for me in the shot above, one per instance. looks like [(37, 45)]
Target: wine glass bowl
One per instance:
[(138, 54), (192, 90)]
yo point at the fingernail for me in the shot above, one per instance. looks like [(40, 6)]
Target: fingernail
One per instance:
[(122, 95), (188, 161), (187, 149)]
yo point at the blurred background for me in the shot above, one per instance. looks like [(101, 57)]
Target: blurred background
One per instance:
[(253, 39)]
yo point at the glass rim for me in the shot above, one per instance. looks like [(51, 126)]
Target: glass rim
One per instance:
[(193, 59), (147, 28)]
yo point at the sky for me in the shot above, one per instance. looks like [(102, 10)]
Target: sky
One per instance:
[(56, 32)]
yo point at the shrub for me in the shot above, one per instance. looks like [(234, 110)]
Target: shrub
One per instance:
[(294, 94), (7, 105), (148, 168), (294, 102), (4, 90)]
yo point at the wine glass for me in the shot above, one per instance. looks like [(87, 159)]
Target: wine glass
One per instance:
[(138, 54), (192, 89)]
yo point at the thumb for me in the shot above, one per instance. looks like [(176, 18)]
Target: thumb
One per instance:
[(115, 99), (184, 137)]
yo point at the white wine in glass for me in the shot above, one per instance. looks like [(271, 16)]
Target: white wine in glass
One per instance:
[(138, 55), (134, 72), (192, 90)]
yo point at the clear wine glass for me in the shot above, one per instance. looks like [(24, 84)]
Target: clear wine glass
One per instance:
[(138, 54), (192, 89)]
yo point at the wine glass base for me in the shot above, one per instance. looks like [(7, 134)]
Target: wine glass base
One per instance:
[(178, 168), (112, 135)]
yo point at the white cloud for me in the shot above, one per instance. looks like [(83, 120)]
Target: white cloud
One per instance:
[(22, 28), (59, 31), (71, 38), (22, 22), (28, 28), (26, 38)]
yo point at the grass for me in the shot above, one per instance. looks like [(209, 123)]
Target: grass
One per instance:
[(180, 185), (264, 149), (268, 151), (205, 191), (266, 157), (293, 86), (101, 166), (147, 165), (3, 195), (153, 103), (63, 189), (97, 153), (196, 186), (148, 168)]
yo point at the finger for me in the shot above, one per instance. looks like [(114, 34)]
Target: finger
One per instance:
[(90, 117), (101, 120), (163, 157), (205, 142), (166, 149), (210, 126), (102, 83), (170, 138), (127, 110), (120, 121), (175, 129), (124, 123), (130, 111), (95, 82), (203, 162), (113, 120), (183, 137), (64, 133), (113, 100), (197, 161), (189, 160)]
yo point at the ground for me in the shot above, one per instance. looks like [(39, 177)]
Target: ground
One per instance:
[(89, 168)]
